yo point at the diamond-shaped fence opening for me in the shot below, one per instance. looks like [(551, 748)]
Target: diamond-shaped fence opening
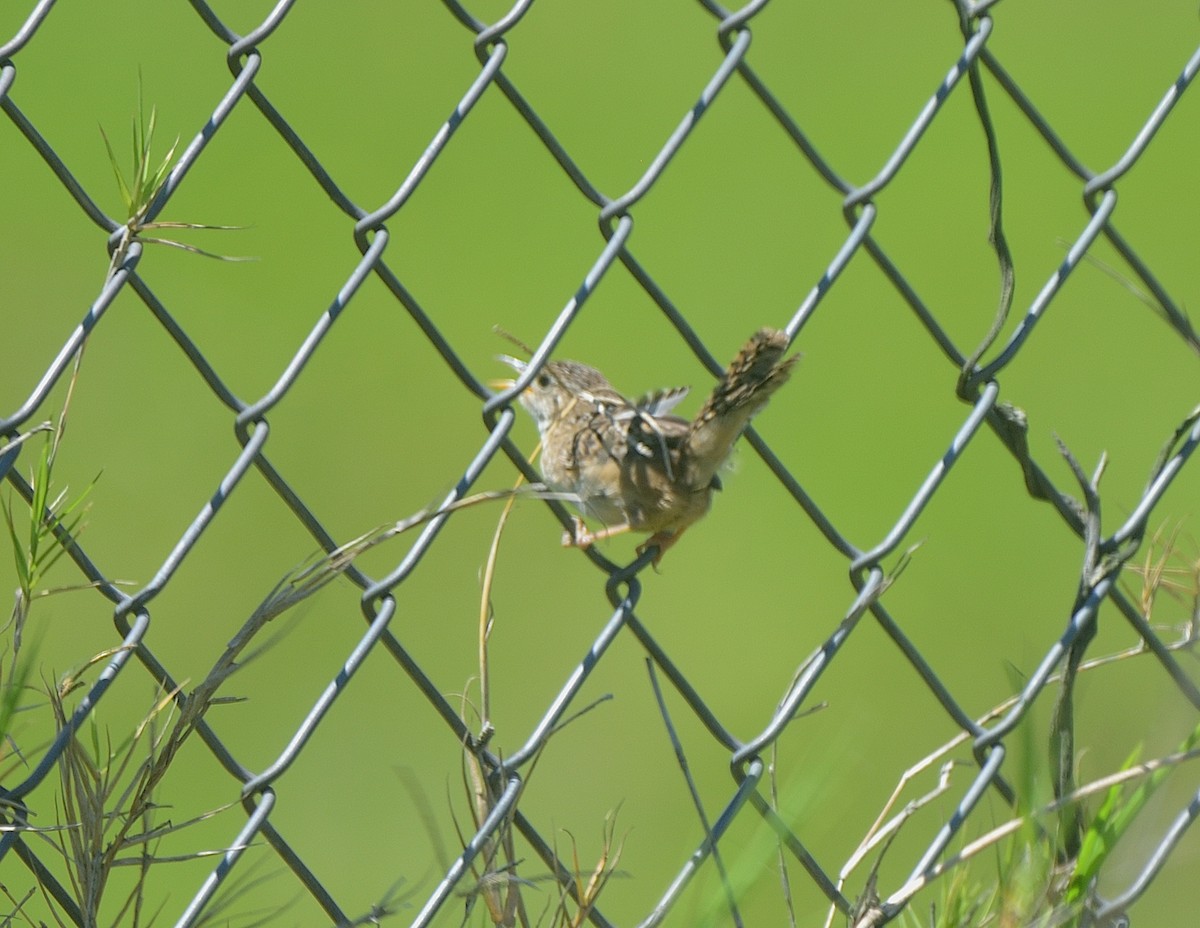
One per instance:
[(940, 614)]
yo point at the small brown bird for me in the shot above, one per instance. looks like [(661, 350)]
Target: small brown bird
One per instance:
[(631, 464)]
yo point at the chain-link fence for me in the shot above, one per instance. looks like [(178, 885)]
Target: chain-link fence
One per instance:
[(507, 835)]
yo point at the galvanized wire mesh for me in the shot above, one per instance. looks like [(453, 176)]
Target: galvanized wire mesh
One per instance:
[(975, 72)]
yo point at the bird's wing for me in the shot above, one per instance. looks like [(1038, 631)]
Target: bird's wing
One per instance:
[(661, 402), (658, 440)]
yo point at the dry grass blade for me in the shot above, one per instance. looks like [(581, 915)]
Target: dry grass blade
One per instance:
[(495, 884), (20, 439), (1017, 889), (486, 614), (315, 573), (193, 249), (579, 896)]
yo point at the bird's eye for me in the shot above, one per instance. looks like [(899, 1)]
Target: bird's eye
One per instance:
[(543, 380)]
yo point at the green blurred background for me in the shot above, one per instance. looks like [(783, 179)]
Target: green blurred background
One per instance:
[(737, 231)]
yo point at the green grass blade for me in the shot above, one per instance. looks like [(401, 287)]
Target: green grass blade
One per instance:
[(20, 561), (10, 694), (126, 194), (1114, 818)]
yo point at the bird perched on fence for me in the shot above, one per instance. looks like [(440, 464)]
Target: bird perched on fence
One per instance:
[(631, 464)]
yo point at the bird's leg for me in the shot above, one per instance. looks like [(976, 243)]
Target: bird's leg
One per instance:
[(581, 537)]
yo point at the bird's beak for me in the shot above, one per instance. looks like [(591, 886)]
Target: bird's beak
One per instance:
[(507, 383)]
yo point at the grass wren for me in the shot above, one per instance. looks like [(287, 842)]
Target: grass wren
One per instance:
[(632, 465)]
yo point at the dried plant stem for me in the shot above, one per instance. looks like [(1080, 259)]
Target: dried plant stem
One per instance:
[(486, 615)]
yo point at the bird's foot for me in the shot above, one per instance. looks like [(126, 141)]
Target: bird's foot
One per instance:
[(581, 537), (660, 540)]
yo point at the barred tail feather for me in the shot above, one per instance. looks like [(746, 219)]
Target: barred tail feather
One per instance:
[(754, 375)]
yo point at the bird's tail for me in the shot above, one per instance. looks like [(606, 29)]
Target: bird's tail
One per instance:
[(753, 376)]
